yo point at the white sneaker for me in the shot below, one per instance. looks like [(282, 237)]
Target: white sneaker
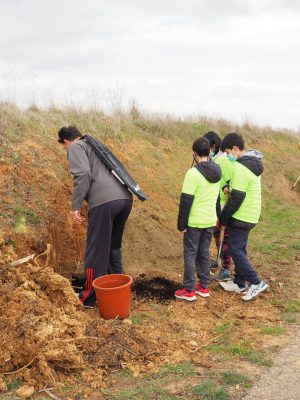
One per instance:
[(254, 290), (230, 286)]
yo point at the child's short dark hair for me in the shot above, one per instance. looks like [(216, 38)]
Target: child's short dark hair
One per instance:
[(232, 139), (201, 147), (214, 140), (68, 133)]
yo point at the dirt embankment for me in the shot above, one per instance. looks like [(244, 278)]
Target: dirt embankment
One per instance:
[(44, 331)]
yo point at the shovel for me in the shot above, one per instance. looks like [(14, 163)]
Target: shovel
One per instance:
[(218, 259), (294, 185)]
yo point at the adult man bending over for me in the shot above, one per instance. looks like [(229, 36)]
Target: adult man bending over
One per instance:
[(109, 205)]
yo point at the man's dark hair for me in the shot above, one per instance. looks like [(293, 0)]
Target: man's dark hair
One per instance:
[(232, 139), (68, 133), (201, 147), (214, 140)]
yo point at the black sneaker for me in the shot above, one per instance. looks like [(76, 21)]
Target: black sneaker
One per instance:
[(89, 305)]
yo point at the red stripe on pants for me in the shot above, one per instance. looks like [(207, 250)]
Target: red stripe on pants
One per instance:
[(88, 284)]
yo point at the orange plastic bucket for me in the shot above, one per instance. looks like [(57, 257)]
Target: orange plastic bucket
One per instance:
[(113, 295)]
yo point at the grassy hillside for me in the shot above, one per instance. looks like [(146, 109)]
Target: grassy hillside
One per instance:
[(175, 350), (36, 187)]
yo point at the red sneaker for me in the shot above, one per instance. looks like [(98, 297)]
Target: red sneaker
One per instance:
[(201, 291), (183, 294)]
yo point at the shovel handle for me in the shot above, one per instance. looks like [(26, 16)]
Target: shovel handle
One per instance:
[(294, 185), (222, 233)]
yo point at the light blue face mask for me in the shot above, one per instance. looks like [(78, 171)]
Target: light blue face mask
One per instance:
[(212, 154), (231, 157)]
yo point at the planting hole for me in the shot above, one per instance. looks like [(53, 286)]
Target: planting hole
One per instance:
[(155, 289)]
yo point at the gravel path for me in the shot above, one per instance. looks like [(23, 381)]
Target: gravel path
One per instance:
[(282, 381)]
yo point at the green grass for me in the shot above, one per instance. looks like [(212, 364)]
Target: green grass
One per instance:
[(67, 388), (239, 350), (235, 378), (276, 213), (185, 370), (139, 318), (289, 318), (147, 391), (22, 217), (244, 351), (272, 330), (11, 243), (223, 328), (257, 357), (14, 385), (150, 386), (293, 306), (32, 217), (209, 391), (162, 311), (20, 225), (289, 309)]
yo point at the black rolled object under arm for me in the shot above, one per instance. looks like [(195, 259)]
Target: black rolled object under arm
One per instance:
[(186, 201), (233, 204)]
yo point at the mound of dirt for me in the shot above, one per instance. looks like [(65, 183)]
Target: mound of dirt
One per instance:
[(40, 320), (47, 337)]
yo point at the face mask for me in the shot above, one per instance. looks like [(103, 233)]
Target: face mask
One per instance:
[(231, 157), (212, 154)]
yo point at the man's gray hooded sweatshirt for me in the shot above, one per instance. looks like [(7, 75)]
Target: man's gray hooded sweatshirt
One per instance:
[(93, 181)]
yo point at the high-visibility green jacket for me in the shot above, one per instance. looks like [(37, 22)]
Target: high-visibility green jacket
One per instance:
[(227, 167), (199, 196), (243, 207)]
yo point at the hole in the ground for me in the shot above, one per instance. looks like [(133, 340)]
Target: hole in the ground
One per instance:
[(155, 288)]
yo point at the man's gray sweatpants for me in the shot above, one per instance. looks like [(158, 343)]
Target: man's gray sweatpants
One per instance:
[(196, 242)]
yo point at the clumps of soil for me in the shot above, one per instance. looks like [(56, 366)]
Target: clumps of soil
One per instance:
[(119, 344), (41, 323), (47, 337), (156, 288)]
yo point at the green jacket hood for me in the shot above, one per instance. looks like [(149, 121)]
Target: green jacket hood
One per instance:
[(253, 161), (210, 171)]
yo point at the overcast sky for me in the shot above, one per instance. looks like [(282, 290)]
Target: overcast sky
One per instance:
[(236, 59)]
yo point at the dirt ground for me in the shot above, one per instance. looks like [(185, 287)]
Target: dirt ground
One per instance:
[(47, 338)]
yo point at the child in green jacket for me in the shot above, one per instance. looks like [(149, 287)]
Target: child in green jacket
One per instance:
[(197, 218), (220, 158), (241, 213)]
